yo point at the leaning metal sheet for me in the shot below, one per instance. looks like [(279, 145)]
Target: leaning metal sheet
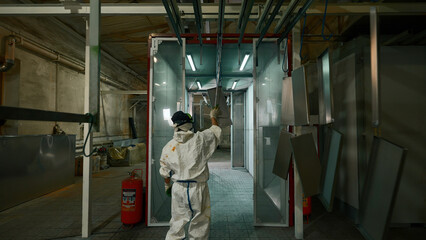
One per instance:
[(333, 149), (381, 185), (307, 162), (287, 108), (300, 97), (283, 155), (32, 166), (224, 117)]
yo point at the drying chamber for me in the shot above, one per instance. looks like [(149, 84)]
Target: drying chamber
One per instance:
[(180, 79)]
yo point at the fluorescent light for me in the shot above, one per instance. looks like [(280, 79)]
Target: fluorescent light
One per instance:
[(234, 85), (166, 114), (199, 84), (155, 59), (156, 84), (191, 62), (246, 57)]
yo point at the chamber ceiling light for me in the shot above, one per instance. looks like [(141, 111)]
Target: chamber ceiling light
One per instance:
[(246, 57), (155, 59), (234, 85), (191, 62), (199, 84)]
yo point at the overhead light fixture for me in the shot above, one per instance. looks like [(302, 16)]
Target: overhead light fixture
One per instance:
[(199, 84), (234, 85), (191, 62), (155, 59), (246, 57)]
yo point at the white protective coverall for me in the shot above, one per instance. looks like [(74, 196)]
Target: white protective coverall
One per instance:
[(185, 159)]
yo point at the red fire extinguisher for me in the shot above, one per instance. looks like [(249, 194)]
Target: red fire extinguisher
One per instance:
[(131, 198), (307, 207)]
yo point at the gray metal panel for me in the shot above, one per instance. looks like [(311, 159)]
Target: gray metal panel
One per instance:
[(325, 90), (32, 166), (307, 162), (283, 155), (328, 182), (300, 97), (379, 194), (238, 118), (287, 107), (224, 118)]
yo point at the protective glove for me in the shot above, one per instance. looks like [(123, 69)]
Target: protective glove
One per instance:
[(168, 188), (215, 112)]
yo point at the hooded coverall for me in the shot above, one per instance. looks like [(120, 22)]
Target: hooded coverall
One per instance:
[(185, 158)]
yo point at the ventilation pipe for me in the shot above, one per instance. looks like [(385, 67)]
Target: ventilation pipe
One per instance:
[(50, 55), (9, 54), (57, 57)]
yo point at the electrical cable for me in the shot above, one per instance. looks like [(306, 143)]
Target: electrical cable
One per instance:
[(301, 39), (87, 137), (323, 23)]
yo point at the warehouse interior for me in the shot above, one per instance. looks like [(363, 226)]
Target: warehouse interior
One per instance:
[(322, 124)]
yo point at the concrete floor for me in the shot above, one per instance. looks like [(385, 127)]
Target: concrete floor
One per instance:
[(58, 215)]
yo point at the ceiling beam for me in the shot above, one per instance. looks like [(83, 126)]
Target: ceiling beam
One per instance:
[(221, 21), (198, 19), (209, 10), (174, 18), (287, 15), (136, 30), (262, 18), (294, 21), (269, 22), (244, 19)]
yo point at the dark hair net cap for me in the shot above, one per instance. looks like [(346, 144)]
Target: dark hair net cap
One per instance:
[(180, 118)]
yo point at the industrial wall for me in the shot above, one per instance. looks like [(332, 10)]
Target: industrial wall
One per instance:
[(402, 104), (40, 83)]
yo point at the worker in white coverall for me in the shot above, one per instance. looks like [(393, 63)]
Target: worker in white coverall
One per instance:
[(184, 161)]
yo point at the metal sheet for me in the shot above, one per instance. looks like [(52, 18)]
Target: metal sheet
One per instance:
[(308, 164), (283, 155), (300, 97), (224, 118), (328, 181), (287, 107), (325, 90), (379, 193), (32, 166)]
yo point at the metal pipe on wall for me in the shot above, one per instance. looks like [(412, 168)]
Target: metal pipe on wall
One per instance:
[(24, 43), (9, 54), (65, 61)]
